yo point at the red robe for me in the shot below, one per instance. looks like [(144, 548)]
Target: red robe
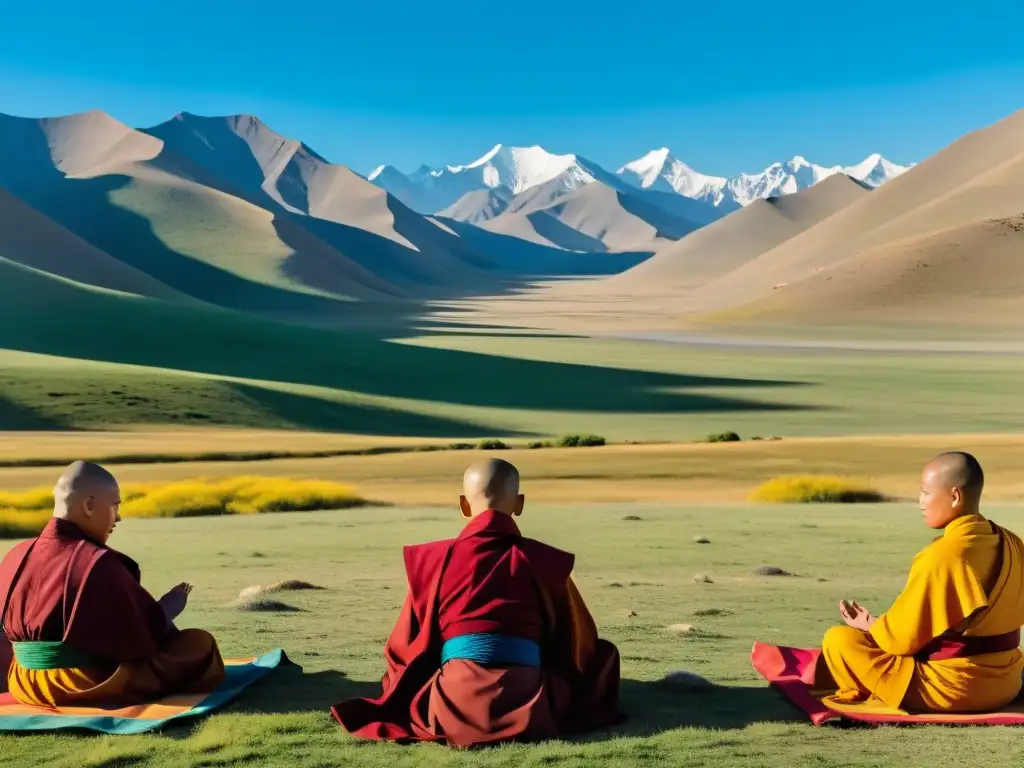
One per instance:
[(62, 586), (489, 580)]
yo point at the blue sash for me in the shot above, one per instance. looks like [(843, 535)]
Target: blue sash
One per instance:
[(486, 648)]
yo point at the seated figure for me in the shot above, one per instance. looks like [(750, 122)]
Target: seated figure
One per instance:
[(494, 642), (81, 629), (950, 642)]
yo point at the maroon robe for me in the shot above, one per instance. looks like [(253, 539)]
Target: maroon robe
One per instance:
[(489, 580), (63, 586)]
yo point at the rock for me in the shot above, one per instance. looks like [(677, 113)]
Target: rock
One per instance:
[(771, 570), (263, 604), (614, 585), (632, 517), (712, 612), (702, 578), (682, 629), (681, 680), (630, 614), (701, 540)]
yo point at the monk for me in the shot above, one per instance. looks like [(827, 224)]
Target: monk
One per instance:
[(83, 631), (494, 642), (950, 642)]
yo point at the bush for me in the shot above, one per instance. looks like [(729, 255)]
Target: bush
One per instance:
[(492, 445), (22, 524), (723, 437), (25, 513), (581, 441), (814, 489), (536, 444)]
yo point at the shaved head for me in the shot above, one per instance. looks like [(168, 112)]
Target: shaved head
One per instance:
[(491, 484), (951, 487), (957, 469), (88, 496)]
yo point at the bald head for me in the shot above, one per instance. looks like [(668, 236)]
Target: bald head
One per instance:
[(957, 469), (951, 486), (88, 496), (491, 484)]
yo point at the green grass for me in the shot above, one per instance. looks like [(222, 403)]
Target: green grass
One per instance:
[(859, 552), (195, 365)]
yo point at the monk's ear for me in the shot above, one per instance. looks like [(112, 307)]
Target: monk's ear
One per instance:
[(958, 497), (520, 503), (464, 508)]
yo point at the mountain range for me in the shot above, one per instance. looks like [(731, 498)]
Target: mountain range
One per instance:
[(509, 172), (225, 214)]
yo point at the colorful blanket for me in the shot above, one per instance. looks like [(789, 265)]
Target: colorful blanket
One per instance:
[(241, 673), (791, 671)]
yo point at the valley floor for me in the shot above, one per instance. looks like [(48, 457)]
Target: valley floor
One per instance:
[(637, 577), (620, 473)]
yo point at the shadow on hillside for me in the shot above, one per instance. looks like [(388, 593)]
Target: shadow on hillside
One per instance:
[(17, 417), (532, 261), (320, 415), (460, 264), (652, 709), (162, 335)]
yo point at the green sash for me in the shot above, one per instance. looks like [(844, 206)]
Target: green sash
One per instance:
[(53, 655)]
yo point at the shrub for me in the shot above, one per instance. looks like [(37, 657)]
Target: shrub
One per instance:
[(723, 437), (814, 489), (22, 524), (581, 441), (535, 444), (25, 513), (492, 445)]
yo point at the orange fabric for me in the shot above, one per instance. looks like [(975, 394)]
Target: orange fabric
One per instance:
[(969, 581), (188, 662)]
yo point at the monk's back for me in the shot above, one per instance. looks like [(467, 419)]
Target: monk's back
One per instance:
[(36, 605), (491, 586)]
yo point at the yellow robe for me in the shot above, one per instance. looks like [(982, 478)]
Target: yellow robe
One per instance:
[(953, 584), (191, 654)]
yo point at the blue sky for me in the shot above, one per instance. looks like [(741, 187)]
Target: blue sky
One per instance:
[(729, 87)]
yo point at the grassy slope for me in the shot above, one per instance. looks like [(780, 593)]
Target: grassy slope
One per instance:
[(356, 555), (128, 330)]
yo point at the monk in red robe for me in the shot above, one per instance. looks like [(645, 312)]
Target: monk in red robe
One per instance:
[(80, 627), (494, 642)]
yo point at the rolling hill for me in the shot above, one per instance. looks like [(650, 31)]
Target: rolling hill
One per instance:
[(731, 242), (979, 177), (971, 275)]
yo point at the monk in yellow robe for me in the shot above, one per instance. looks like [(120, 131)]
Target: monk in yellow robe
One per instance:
[(950, 642), (82, 630)]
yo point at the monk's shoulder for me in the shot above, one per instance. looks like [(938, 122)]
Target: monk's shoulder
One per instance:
[(547, 558), (425, 558), (942, 550)]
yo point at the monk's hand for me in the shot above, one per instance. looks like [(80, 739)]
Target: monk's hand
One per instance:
[(174, 602), (855, 615)]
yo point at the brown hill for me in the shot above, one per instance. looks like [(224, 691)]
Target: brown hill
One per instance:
[(732, 241), (980, 176), (972, 274)]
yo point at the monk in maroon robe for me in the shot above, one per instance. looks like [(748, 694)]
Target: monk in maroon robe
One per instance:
[(80, 627), (494, 642)]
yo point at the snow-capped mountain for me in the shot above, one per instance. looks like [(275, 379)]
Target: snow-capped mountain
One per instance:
[(430, 190), (660, 170), (518, 169)]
